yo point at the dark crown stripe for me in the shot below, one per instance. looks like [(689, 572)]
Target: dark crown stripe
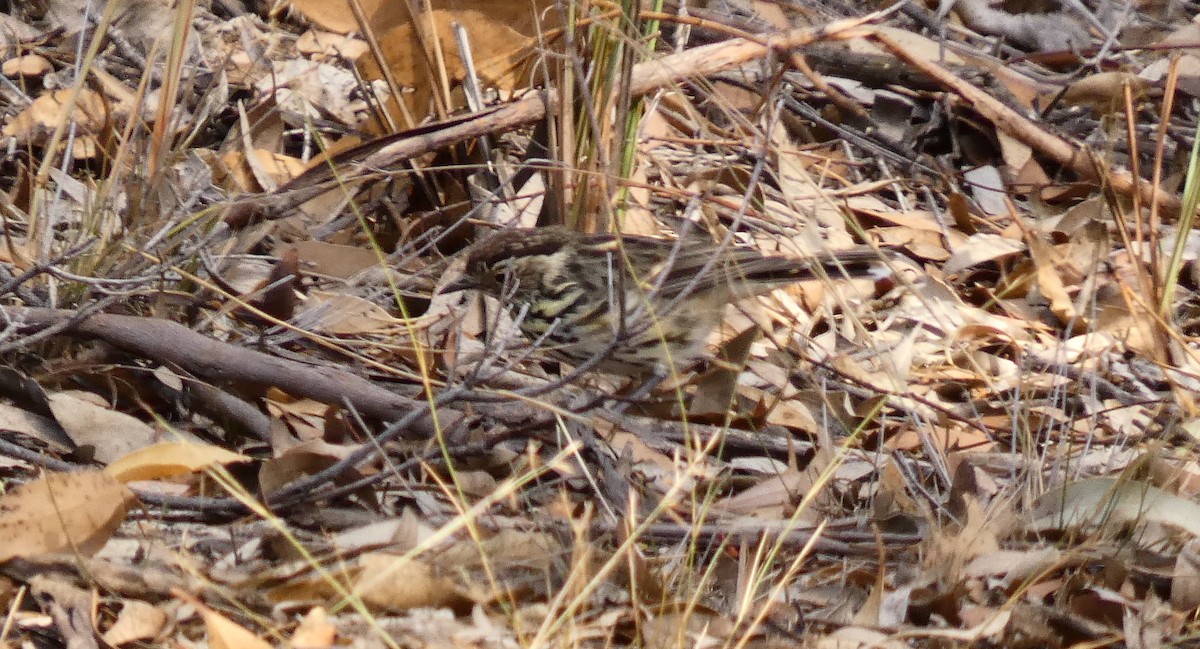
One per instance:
[(519, 243)]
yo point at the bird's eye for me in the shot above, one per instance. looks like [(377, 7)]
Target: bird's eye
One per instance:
[(499, 276)]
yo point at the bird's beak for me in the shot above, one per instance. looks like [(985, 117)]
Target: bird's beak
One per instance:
[(460, 284)]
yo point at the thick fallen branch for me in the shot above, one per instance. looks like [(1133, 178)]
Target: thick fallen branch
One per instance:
[(169, 342), (1071, 155)]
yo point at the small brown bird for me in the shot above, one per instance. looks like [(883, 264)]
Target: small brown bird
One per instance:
[(648, 305)]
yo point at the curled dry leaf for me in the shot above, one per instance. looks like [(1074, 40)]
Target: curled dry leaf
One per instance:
[(980, 533), (89, 422), (336, 260), (315, 631), (981, 248), (62, 512), (697, 627), (346, 315), (514, 565), (394, 583), (170, 459), (858, 638), (137, 620), (988, 189), (298, 461), (773, 498), (28, 423), (223, 633), (29, 65), (1104, 92), (35, 124), (399, 534), (715, 390), (1114, 501), (1011, 566)]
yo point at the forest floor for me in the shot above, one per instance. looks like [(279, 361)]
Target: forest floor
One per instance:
[(236, 408)]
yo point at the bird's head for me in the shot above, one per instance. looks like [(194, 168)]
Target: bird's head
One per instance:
[(516, 263)]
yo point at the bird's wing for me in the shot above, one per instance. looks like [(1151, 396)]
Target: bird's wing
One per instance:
[(742, 272)]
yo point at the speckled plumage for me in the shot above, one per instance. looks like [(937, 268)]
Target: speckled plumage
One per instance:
[(659, 299)]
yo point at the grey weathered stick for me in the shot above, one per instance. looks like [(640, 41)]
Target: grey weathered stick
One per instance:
[(169, 342)]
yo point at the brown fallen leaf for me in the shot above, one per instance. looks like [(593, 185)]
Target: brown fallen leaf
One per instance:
[(1104, 92), (503, 37), (387, 582), (89, 421), (1114, 502), (300, 460), (336, 15), (29, 65), (223, 633), (856, 637), (315, 631), (35, 124), (170, 459), (62, 512), (137, 620)]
